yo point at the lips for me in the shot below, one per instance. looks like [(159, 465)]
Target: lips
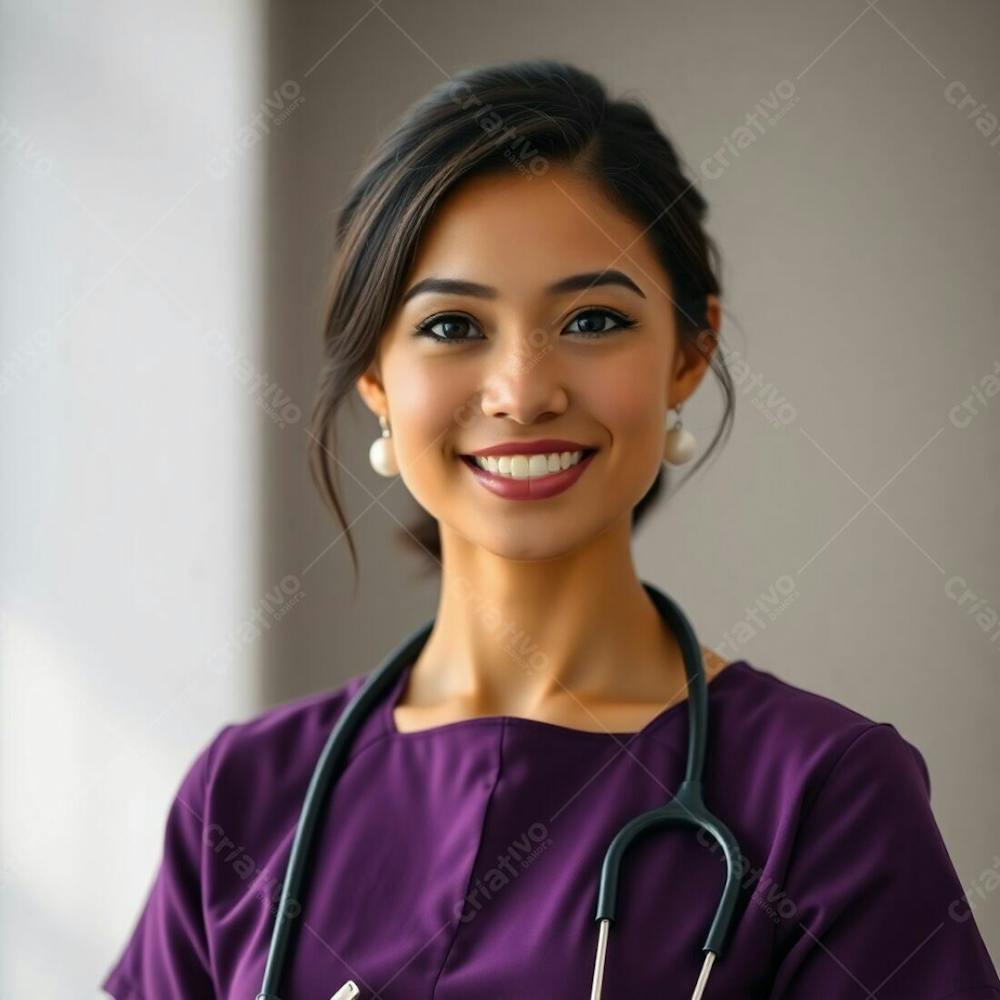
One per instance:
[(542, 446), (531, 487)]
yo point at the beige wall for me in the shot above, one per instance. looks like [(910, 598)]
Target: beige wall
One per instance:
[(861, 236)]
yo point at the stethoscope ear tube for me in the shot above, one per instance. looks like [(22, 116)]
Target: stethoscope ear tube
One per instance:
[(686, 808), (329, 765)]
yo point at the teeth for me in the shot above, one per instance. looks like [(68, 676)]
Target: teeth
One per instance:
[(528, 466)]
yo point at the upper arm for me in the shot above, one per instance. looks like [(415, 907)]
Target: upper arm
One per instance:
[(167, 954), (877, 903)]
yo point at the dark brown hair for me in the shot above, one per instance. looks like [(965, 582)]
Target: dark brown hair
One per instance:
[(516, 116)]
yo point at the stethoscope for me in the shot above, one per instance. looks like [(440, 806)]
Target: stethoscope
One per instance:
[(686, 808)]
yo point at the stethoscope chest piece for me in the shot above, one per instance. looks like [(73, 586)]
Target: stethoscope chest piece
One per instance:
[(347, 992)]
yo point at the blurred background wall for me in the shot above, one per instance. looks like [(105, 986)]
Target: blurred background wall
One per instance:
[(131, 299), (169, 179)]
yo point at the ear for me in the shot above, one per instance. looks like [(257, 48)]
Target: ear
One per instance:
[(694, 355), (369, 386)]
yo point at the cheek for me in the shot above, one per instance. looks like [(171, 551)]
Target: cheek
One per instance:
[(627, 409), (428, 405), (630, 402)]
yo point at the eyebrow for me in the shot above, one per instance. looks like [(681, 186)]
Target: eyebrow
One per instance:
[(573, 283)]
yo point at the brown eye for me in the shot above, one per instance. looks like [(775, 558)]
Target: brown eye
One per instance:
[(452, 324)]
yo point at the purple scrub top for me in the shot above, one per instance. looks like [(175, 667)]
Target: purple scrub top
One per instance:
[(462, 862)]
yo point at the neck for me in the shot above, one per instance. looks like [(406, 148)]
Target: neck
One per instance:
[(514, 636)]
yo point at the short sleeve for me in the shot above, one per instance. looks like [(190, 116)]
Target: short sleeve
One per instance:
[(877, 908), (167, 955)]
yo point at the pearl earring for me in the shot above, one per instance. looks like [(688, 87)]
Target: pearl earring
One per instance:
[(680, 444), (381, 454)]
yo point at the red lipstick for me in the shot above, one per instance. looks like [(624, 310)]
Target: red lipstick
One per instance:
[(542, 445), (531, 487)]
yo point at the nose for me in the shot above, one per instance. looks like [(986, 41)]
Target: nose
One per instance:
[(522, 379)]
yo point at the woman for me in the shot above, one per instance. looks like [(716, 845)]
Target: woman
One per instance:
[(523, 290)]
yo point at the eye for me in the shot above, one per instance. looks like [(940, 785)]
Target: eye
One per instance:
[(425, 329), (622, 322), (592, 317)]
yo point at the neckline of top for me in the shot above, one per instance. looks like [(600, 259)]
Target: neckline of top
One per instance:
[(388, 723)]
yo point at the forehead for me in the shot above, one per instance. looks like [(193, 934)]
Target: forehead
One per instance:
[(523, 232)]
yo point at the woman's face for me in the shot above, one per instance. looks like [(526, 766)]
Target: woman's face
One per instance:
[(517, 363)]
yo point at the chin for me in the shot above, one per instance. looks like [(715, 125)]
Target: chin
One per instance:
[(537, 544)]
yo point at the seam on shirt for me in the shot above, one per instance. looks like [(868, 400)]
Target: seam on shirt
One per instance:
[(373, 742), (767, 674), (475, 859), (806, 814), (811, 804), (809, 807)]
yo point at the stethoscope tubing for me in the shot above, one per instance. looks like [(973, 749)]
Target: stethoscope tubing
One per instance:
[(331, 761), (685, 808)]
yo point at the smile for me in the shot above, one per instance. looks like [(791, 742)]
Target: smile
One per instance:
[(527, 466), (529, 477)]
